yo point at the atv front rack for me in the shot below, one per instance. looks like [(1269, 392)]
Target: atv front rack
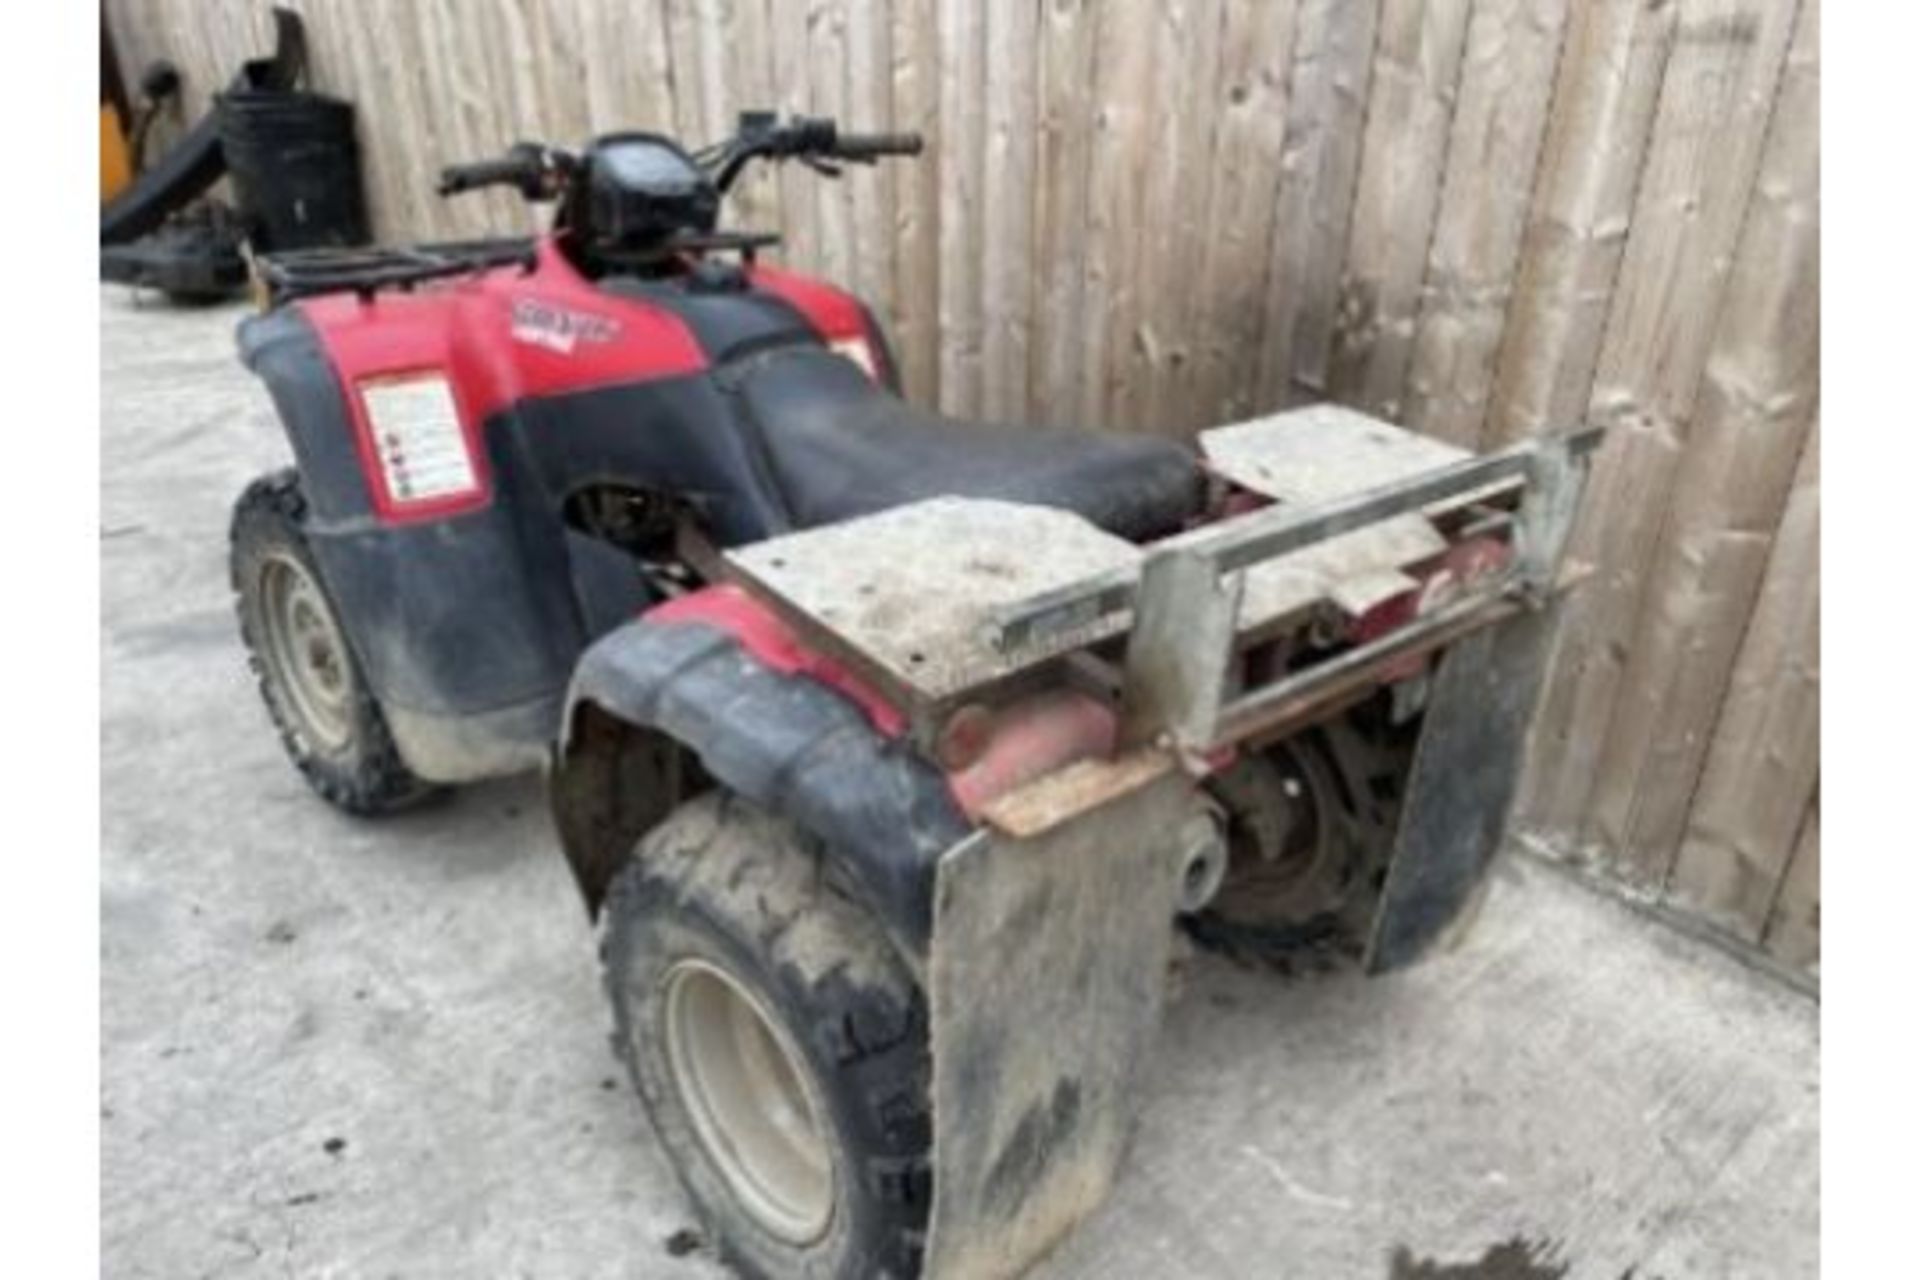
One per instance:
[(304, 273), (955, 601)]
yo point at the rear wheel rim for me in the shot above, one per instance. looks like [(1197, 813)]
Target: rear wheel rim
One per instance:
[(307, 652), (751, 1100)]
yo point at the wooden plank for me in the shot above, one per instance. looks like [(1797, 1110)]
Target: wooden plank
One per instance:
[(1692, 202), (1755, 405), (1007, 187), (870, 188), (1161, 344), (1793, 927), (1124, 55), (793, 94), (963, 78), (1163, 47), (1764, 757), (1327, 89), (747, 30), (916, 211), (1416, 68), (1242, 182), (1506, 82), (1062, 170), (832, 202), (682, 23), (1611, 71)]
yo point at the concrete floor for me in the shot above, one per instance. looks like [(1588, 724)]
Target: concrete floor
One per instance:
[(334, 1048)]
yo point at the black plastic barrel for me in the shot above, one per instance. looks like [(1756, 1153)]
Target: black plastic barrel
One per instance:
[(296, 168)]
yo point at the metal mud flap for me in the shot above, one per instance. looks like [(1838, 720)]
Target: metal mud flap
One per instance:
[(1052, 927)]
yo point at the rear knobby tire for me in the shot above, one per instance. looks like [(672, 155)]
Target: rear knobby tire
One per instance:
[(724, 920), (311, 681)]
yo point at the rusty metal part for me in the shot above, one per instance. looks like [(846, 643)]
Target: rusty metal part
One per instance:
[(1045, 985), (1037, 808)]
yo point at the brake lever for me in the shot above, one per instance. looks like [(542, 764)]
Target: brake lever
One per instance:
[(821, 167)]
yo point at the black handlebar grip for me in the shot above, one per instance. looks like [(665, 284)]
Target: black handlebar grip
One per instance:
[(870, 146), (511, 171)]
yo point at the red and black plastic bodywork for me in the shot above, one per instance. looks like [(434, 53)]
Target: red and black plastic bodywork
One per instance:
[(758, 400), (468, 612)]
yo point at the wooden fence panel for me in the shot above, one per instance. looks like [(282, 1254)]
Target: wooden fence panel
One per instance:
[(1699, 172), (1752, 413), (1489, 218), (1764, 761)]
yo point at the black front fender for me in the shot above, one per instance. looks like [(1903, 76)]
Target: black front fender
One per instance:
[(655, 705)]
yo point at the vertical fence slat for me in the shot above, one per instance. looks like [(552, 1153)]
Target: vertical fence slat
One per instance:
[(1122, 62), (916, 106), (832, 200), (871, 188), (1506, 80), (1242, 185), (962, 158), (1007, 182), (793, 93), (1327, 90), (1062, 170), (1416, 70), (1189, 95), (1793, 927), (1609, 82), (745, 28)]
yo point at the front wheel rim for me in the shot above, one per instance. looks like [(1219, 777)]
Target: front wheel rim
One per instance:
[(751, 1099)]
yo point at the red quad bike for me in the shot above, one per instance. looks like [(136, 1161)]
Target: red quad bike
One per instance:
[(889, 750)]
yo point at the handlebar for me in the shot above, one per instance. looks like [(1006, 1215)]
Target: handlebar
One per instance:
[(527, 166), (813, 140), (540, 173), (867, 147)]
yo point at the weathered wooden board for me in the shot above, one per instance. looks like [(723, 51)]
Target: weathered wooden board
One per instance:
[(1612, 66), (963, 81), (1764, 757), (1007, 193), (1506, 81), (1416, 68), (1242, 183), (1793, 929), (1065, 107), (916, 212), (1328, 88)]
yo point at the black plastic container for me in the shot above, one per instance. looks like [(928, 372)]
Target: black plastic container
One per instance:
[(295, 165)]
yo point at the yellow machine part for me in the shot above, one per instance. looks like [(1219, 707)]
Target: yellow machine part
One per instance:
[(116, 165)]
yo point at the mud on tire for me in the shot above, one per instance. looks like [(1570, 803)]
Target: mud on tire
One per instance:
[(343, 748), (722, 895)]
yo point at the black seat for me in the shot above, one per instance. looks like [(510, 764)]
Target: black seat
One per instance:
[(840, 447)]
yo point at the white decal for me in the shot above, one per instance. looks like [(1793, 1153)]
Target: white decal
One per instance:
[(416, 432), (540, 324)]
